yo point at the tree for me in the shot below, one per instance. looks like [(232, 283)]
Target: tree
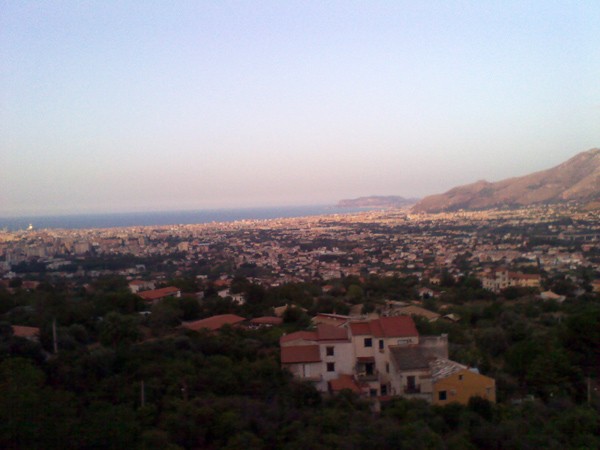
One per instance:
[(355, 293), (581, 338), (117, 329), (166, 314)]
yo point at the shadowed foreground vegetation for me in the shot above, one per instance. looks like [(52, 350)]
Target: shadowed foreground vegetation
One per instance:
[(121, 380)]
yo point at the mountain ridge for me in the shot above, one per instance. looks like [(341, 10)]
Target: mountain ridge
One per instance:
[(383, 201), (577, 179)]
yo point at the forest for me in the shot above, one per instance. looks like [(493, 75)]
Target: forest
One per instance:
[(121, 379)]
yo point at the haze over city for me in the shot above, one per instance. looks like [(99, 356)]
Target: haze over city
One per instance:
[(147, 106)]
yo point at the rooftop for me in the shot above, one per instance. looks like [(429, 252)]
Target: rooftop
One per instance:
[(300, 354), (214, 322), (400, 326)]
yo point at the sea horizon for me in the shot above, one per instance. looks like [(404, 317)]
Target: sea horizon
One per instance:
[(165, 218)]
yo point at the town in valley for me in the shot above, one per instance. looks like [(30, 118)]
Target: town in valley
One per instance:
[(471, 310)]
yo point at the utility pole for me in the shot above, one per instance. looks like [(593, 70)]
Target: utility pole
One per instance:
[(143, 394), (54, 340)]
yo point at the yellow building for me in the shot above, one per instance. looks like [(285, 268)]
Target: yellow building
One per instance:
[(453, 382)]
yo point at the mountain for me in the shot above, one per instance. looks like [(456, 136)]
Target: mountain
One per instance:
[(577, 179), (377, 201)]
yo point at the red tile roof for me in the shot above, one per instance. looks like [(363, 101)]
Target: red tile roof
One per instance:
[(267, 320), (300, 354), (400, 326), (299, 335), (26, 332), (344, 382), (157, 294), (214, 322), (28, 284), (360, 328), (330, 333)]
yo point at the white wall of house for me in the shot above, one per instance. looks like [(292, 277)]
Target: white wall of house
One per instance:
[(342, 359)]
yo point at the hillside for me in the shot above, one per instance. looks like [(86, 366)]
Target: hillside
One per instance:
[(388, 201), (577, 179)]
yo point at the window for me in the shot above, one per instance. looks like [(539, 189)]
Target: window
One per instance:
[(329, 351), (368, 342), (442, 395), (380, 344), (387, 367), (460, 377), (383, 389), (330, 367), (373, 392)]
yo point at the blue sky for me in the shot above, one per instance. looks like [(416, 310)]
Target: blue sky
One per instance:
[(110, 106)]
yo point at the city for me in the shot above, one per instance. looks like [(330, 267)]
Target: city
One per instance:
[(388, 306)]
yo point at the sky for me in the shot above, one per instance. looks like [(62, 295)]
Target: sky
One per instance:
[(118, 106)]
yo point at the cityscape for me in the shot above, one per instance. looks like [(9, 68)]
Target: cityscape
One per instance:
[(300, 225), (393, 308)]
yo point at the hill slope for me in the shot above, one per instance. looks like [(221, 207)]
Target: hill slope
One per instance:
[(377, 201), (576, 179)]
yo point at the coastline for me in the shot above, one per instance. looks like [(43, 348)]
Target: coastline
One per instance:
[(165, 218)]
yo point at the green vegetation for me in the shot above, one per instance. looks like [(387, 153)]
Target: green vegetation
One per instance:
[(122, 379)]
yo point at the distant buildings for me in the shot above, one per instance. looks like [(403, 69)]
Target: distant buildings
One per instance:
[(497, 280)]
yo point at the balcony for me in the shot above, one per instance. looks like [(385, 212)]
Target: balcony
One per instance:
[(415, 389), (368, 376)]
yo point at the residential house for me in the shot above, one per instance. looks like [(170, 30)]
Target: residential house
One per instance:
[(213, 323), (156, 295), (414, 310), (454, 382), (497, 280), (136, 286), (319, 356), (411, 366), (372, 341), (380, 358), (29, 333), (265, 322)]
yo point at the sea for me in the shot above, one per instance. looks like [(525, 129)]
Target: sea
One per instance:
[(114, 220)]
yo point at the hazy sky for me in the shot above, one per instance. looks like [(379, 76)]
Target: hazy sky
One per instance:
[(161, 105)]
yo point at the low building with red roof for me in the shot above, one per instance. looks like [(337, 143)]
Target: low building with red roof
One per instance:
[(337, 320), (265, 322), (31, 333), (345, 382), (213, 323), (153, 296)]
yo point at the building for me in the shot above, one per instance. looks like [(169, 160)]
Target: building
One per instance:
[(156, 295), (136, 286), (318, 356), (453, 382), (497, 280), (381, 358), (214, 323), (29, 333)]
